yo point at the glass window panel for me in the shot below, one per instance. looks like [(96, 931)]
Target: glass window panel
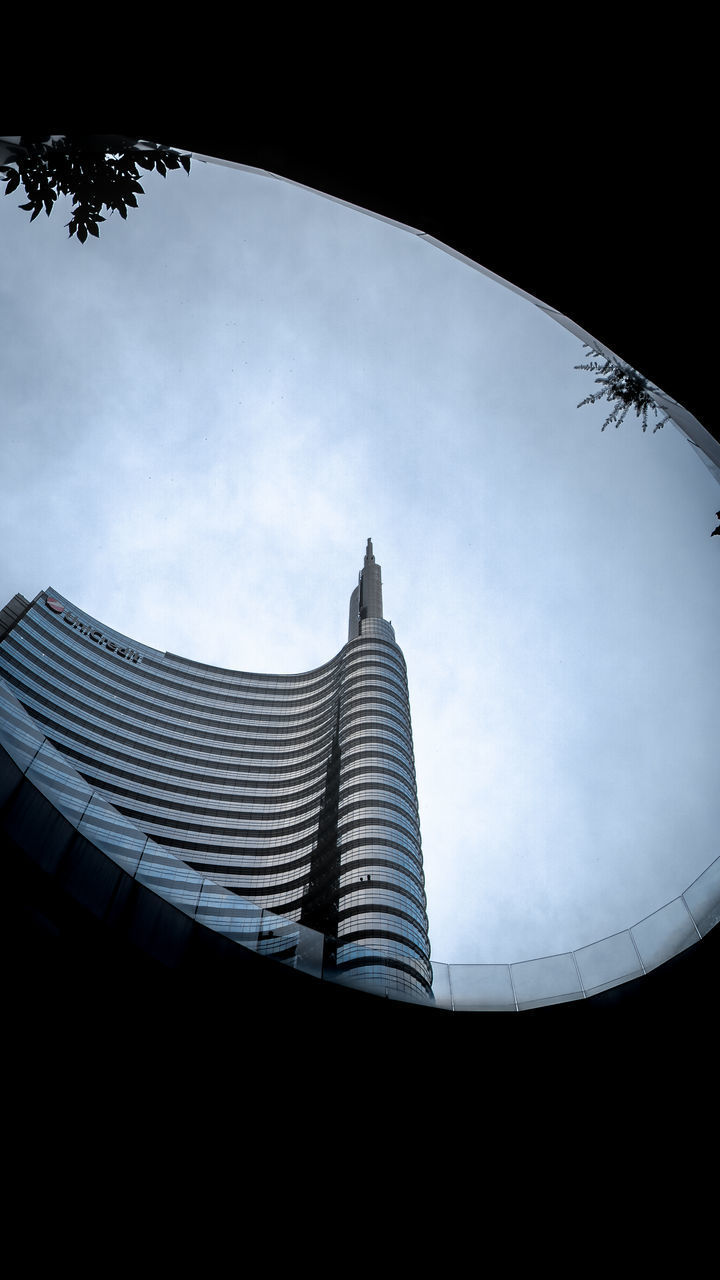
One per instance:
[(703, 898), (112, 832), (169, 878), (230, 915), (57, 780), (441, 986), (665, 933), (481, 986), (547, 980), (608, 962), (20, 737), (310, 949)]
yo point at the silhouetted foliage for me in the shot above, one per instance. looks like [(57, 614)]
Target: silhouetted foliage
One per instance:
[(717, 517), (628, 389), (97, 170), (623, 385)]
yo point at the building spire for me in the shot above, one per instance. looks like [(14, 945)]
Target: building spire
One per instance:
[(366, 600)]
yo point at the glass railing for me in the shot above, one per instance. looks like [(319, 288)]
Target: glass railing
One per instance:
[(574, 975)]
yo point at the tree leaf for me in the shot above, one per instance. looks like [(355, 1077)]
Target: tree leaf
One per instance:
[(95, 171)]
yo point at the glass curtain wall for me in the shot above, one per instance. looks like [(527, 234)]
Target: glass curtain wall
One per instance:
[(297, 793)]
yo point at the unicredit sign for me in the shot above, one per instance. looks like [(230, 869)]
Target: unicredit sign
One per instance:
[(92, 633)]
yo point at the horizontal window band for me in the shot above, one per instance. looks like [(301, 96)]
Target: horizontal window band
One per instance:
[(257, 787), (175, 735), (266, 807), (168, 782), (183, 673), (286, 826), (366, 937), (160, 670), (368, 747), (358, 855), (155, 696), (386, 875), (226, 774), (381, 908), (175, 662), (188, 851), (290, 757), (383, 963), (283, 826), (281, 723)]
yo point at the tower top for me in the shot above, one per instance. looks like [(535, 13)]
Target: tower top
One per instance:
[(366, 600)]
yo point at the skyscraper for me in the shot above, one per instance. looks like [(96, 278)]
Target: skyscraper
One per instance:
[(293, 794)]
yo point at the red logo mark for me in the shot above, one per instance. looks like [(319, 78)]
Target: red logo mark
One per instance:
[(55, 605)]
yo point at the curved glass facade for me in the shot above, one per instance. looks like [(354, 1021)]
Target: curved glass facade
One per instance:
[(295, 793)]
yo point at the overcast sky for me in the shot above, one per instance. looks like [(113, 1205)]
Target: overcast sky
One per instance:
[(207, 411)]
